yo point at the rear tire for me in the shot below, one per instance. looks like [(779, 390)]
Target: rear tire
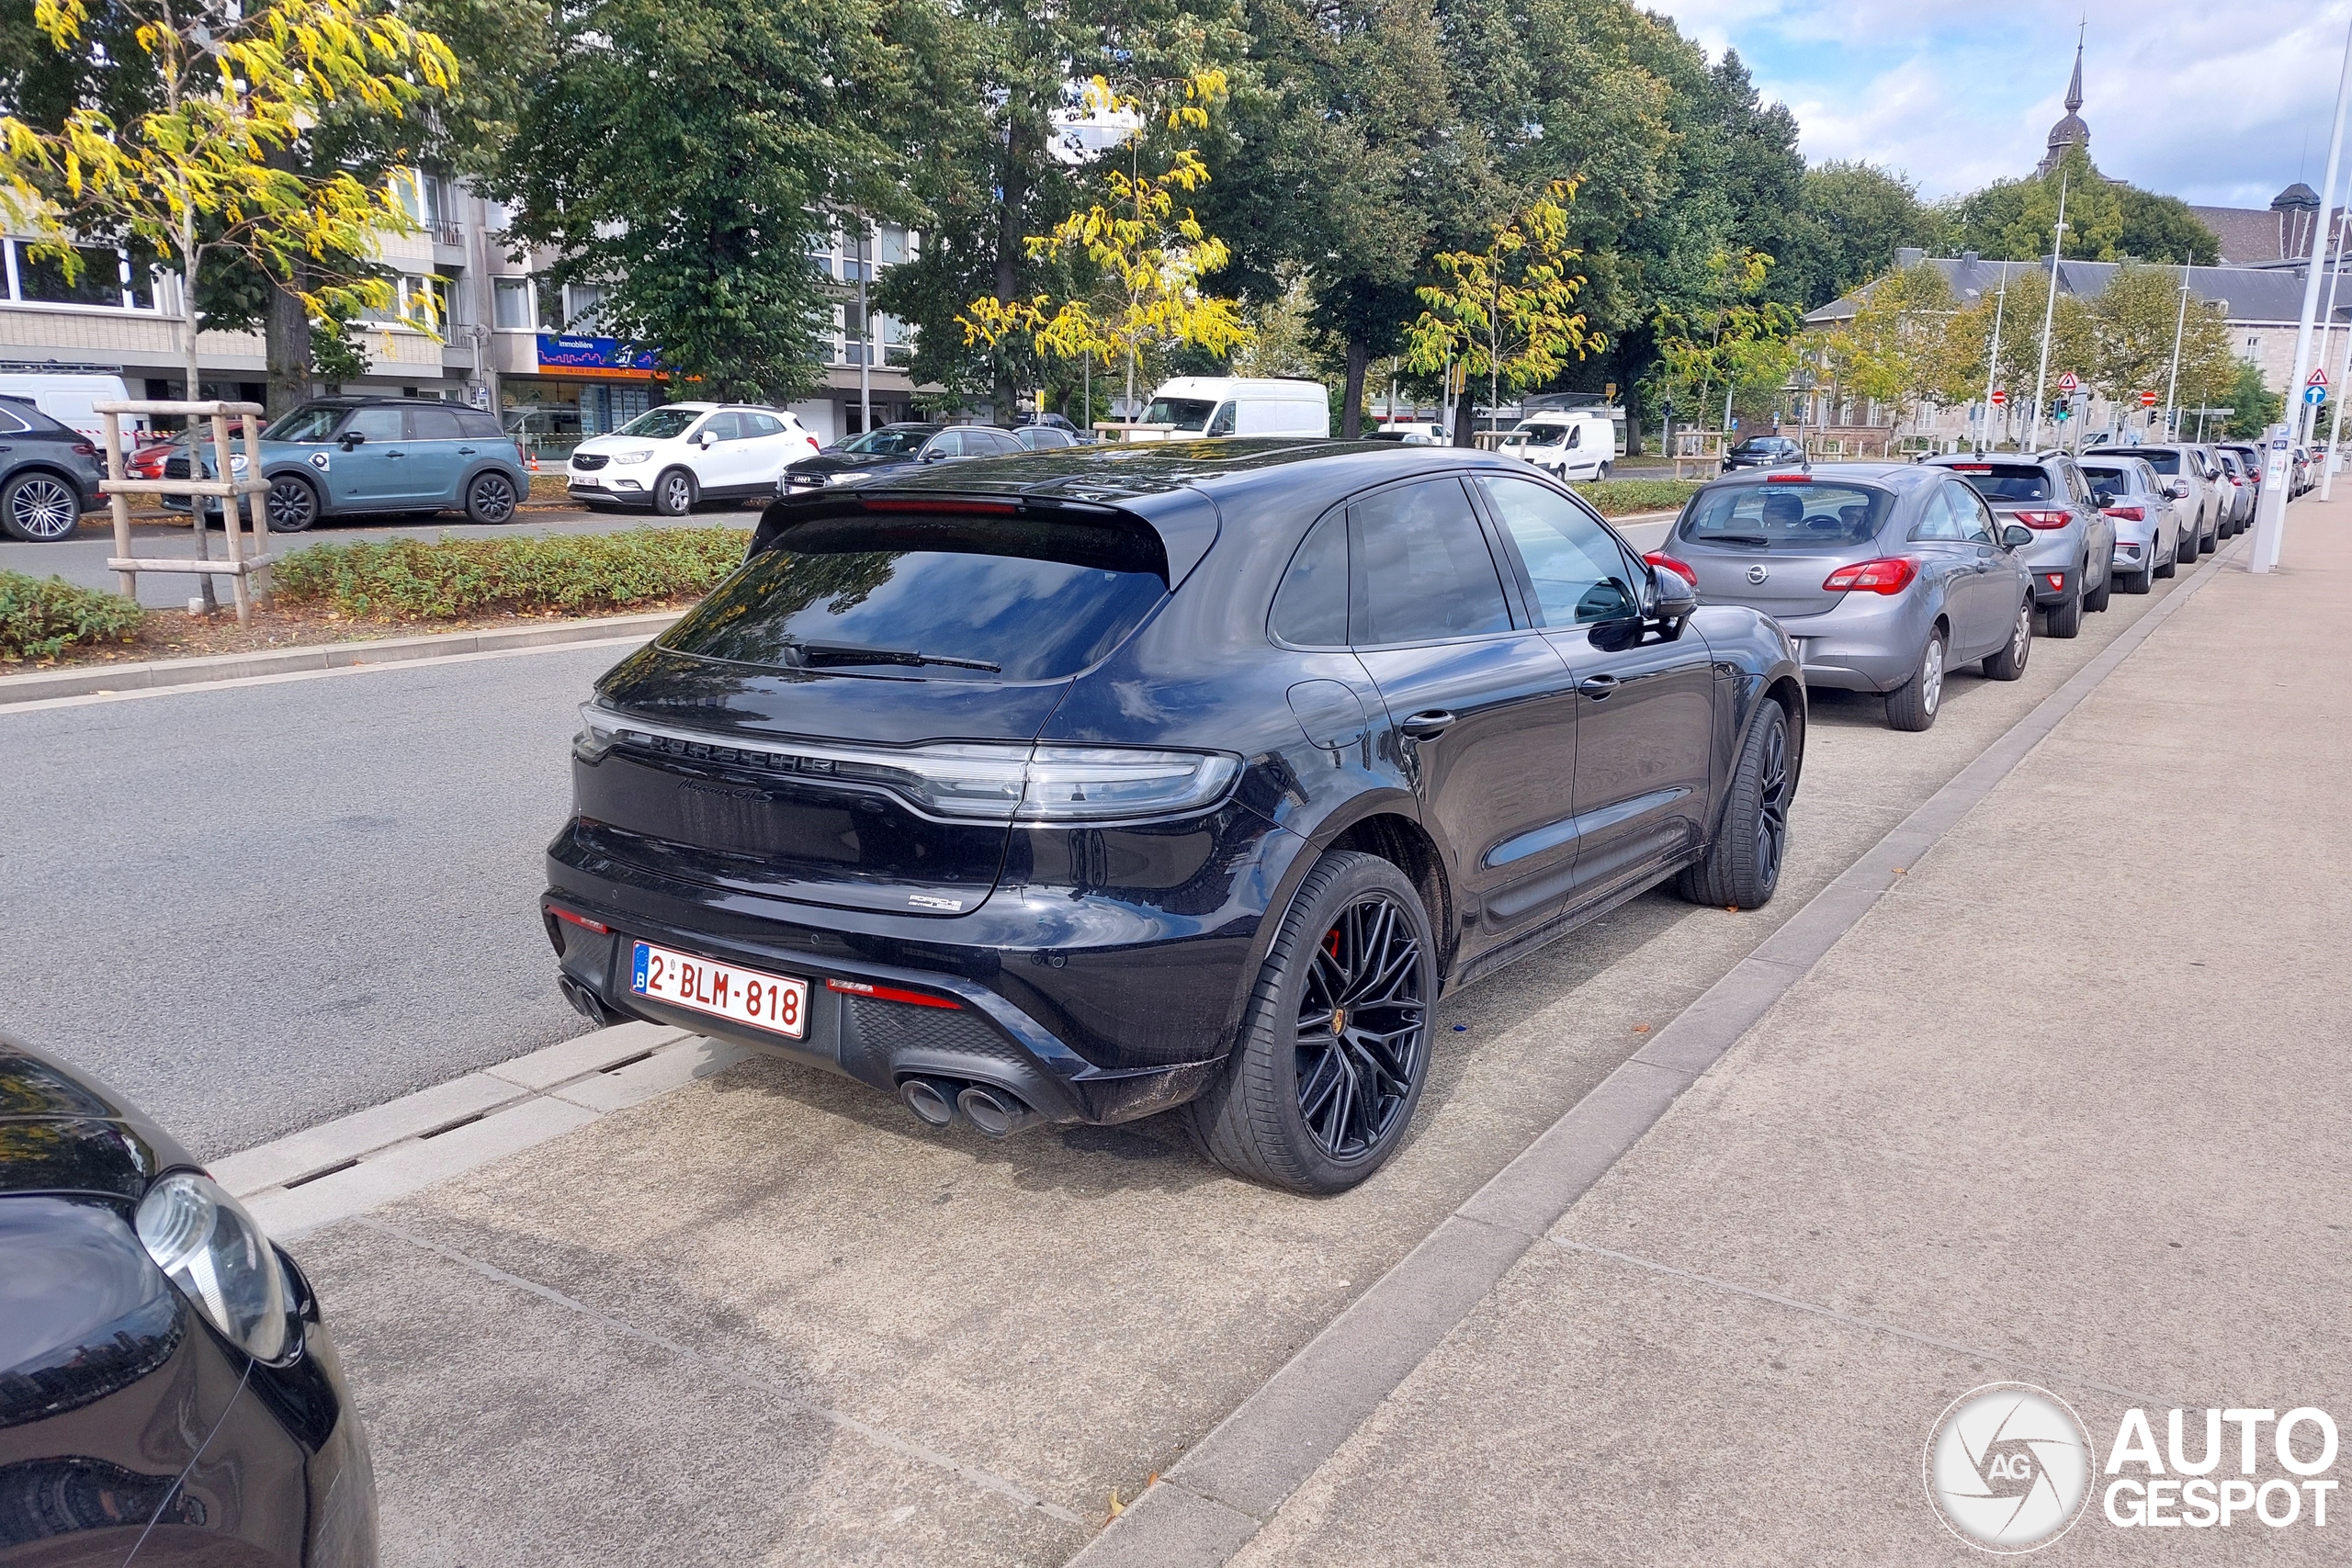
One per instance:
[(1913, 705), (2186, 554), (2097, 601), (2167, 564), (2066, 620), (491, 497), (675, 492), (1742, 867), (39, 509), (2210, 543), (2009, 663), (1291, 1108), (2139, 582)]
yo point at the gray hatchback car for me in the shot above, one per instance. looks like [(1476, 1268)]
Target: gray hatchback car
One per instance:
[(2072, 550), (1887, 575)]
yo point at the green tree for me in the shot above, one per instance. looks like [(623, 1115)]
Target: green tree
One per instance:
[(686, 156), (1900, 345), (1853, 218), (2132, 323), (1741, 345), (2256, 408), (2010, 219)]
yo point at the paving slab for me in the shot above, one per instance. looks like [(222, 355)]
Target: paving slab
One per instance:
[(2067, 1106)]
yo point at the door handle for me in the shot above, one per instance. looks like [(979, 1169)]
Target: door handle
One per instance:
[(395, 454), (465, 451), (1597, 687), (1428, 726)]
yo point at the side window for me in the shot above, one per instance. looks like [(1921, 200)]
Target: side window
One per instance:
[(946, 444), (376, 424), (1420, 568), (1580, 576), (1221, 421), (433, 424), (1000, 441), (476, 425), (765, 424), (1576, 435), (724, 426), (10, 424), (1977, 517), (1939, 519), (1311, 605)]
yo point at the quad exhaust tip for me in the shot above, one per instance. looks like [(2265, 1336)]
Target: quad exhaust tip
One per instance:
[(932, 1101), (993, 1112)]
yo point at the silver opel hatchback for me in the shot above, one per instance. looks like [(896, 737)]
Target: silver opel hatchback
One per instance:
[(1887, 575)]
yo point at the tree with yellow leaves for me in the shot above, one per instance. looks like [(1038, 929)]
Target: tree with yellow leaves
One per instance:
[(1508, 313), (205, 170), (1150, 259)]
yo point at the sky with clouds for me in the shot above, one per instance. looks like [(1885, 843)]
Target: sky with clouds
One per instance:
[(2223, 103)]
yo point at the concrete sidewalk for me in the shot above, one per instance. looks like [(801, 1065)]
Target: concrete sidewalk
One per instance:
[(2068, 1106)]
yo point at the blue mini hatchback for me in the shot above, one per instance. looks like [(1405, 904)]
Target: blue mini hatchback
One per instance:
[(337, 457)]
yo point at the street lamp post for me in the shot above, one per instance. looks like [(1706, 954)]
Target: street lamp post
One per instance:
[(2048, 314), (2307, 414), (2172, 384), (2270, 523), (1993, 356)]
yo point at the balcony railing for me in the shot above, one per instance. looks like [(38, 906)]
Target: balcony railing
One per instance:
[(444, 233)]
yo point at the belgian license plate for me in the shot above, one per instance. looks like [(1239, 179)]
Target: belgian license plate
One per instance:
[(775, 1002)]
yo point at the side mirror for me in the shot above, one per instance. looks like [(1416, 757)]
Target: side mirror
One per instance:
[(707, 440), (933, 454), (2102, 499), (1672, 598), (2016, 536), (351, 438), (2176, 491)]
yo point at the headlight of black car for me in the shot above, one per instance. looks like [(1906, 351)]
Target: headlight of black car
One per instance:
[(208, 1245)]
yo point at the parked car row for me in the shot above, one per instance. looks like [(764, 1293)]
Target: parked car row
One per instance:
[(1888, 576)]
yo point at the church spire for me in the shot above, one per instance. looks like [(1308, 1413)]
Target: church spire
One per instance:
[(2074, 88)]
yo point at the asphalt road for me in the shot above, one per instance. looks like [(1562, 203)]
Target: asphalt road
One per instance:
[(81, 560), (254, 906)]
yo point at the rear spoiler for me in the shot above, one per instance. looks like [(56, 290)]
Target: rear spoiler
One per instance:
[(1185, 520)]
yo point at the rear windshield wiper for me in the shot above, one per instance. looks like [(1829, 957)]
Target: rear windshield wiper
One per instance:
[(815, 653), (1733, 540)]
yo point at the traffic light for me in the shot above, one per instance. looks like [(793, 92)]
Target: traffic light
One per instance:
[(2060, 410)]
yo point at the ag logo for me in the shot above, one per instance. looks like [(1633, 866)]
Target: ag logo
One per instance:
[(2008, 1467), (319, 461), (1757, 572)]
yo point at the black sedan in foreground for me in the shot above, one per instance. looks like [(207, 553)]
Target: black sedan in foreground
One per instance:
[(167, 1391), (889, 446), (1086, 784)]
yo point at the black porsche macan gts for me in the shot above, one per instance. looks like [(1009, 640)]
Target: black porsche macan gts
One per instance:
[(1080, 786)]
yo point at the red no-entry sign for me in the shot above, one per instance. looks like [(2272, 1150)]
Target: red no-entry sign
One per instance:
[(1999, 397), (2147, 400)]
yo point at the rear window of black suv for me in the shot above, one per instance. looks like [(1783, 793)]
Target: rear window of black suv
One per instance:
[(934, 596)]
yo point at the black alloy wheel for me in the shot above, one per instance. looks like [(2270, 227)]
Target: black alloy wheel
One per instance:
[(39, 508), (1742, 869), (1362, 1026), (491, 497), (292, 505), (1335, 1046)]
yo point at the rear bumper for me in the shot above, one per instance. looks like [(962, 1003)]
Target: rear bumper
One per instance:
[(1869, 643), (2053, 587), (1091, 1008)]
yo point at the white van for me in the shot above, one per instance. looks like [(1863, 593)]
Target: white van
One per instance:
[(1570, 444), (69, 397), (1192, 406)]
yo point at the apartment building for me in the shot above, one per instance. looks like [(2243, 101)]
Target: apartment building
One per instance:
[(497, 333)]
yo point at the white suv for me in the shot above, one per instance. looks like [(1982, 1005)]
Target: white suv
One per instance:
[(675, 456)]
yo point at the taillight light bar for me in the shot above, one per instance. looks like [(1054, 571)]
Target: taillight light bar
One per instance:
[(946, 503), (1887, 574), (582, 921), (2043, 519), (891, 994), (1788, 479), (1680, 569), (2129, 513)]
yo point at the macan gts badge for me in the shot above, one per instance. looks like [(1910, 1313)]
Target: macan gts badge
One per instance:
[(1085, 786)]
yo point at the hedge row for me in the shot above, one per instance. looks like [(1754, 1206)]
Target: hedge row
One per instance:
[(41, 617), (1620, 497), (412, 579)]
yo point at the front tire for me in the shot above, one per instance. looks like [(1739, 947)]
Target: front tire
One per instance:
[(39, 509), (1335, 1047), (2009, 663), (290, 504), (490, 499), (1913, 705), (674, 494), (1742, 868)]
